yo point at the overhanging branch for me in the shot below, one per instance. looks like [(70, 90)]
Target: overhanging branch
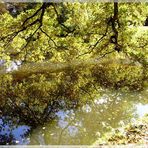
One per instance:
[(25, 26)]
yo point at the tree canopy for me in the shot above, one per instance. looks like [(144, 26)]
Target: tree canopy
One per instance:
[(67, 31)]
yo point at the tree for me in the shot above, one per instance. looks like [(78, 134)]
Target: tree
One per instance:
[(57, 32)]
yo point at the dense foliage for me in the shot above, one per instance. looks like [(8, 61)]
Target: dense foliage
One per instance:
[(57, 32)]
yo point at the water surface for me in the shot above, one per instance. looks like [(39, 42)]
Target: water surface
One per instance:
[(84, 125), (70, 107)]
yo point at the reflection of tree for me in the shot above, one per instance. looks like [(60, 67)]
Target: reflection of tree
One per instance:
[(101, 118), (36, 99), (62, 131), (111, 115), (7, 139), (11, 133)]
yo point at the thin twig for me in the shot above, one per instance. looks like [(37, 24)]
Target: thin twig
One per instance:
[(94, 46), (102, 56), (48, 36)]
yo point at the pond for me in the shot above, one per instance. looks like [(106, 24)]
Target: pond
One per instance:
[(85, 124), (72, 105)]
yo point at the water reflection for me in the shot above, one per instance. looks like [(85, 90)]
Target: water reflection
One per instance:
[(10, 133), (11, 66), (72, 106), (82, 125), (142, 109), (86, 124)]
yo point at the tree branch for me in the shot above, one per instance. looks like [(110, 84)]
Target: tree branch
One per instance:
[(67, 29), (48, 36), (27, 19), (38, 20), (98, 41)]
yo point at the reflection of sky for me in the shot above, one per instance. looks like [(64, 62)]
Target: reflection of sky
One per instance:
[(142, 109), (72, 130), (63, 121), (17, 132), (62, 114), (20, 131), (13, 65)]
